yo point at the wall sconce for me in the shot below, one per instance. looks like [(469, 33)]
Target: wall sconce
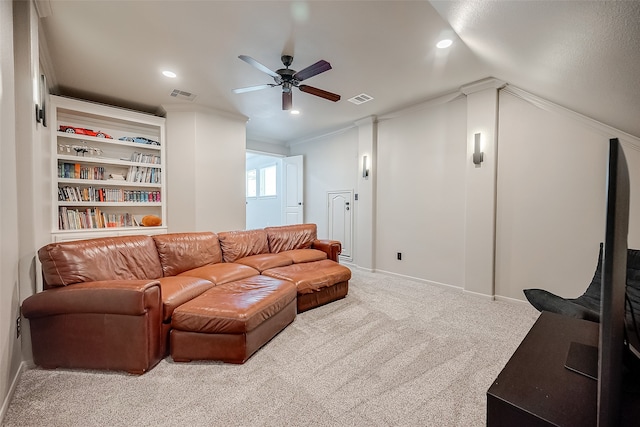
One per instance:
[(478, 156), (41, 116), (365, 168)]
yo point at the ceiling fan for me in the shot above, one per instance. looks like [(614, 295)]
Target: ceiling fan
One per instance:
[(288, 79)]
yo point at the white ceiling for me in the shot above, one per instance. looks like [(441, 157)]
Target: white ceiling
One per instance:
[(583, 55)]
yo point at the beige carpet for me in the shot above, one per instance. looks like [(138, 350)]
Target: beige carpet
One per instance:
[(393, 353)]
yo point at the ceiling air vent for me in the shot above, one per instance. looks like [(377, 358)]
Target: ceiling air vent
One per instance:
[(360, 99), (181, 94)]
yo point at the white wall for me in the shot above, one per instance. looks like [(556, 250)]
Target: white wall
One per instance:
[(330, 163), (10, 355), (419, 168), (180, 129), (421, 193), (206, 164), (220, 165), (551, 197)]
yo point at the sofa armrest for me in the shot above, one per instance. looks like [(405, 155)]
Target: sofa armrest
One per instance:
[(333, 248), (127, 297)]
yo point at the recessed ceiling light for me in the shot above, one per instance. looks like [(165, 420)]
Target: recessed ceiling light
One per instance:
[(169, 74), (443, 44), (295, 112)]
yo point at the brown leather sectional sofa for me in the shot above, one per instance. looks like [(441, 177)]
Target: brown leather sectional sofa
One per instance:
[(124, 303)]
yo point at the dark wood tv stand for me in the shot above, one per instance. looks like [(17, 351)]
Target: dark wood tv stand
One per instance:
[(535, 389)]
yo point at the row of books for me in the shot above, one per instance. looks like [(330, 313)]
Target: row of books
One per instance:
[(145, 158), (144, 174), (94, 194), (77, 171), (75, 219)]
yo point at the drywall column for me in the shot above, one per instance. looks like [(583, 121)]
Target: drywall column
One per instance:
[(364, 247), (205, 178), (482, 118), (10, 356), (32, 160)]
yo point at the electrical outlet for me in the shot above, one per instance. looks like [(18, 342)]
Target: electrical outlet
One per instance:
[(399, 256), (18, 327)]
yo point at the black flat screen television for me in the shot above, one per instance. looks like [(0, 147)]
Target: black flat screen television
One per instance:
[(614, 285), (605, 363)]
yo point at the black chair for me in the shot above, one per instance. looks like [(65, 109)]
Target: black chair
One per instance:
[(587, 305)]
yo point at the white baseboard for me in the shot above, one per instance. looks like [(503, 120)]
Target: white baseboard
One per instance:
[(12, 389), (445, 285), (479, 295), (511, 300), (417, 279), (353, 266)]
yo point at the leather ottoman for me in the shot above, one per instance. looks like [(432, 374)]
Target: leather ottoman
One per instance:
[(230, 322), (317, 283)]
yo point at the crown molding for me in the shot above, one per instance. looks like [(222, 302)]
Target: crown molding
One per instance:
[(43, 8), (321, 136), (443, 99), (196, 108), (366, 121), (604, 129), (477, 86)]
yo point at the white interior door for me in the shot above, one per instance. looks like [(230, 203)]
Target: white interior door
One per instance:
[(293, 179), (340, 208)]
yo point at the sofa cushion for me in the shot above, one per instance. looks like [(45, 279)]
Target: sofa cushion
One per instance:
[(310, 277), (304, 255), (289, 237), (180, 252), (241, 244), (105, 258), (263, 262), (234, 308), (222, 272), (176, 290)]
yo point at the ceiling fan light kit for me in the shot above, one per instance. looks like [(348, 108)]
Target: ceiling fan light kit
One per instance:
[(288, 79)]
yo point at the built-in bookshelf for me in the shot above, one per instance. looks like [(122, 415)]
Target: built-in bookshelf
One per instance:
[(109, 170)]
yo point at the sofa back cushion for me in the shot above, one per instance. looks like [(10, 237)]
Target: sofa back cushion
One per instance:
[(240, 244), (289, 237), (180, 252), (106, 258)]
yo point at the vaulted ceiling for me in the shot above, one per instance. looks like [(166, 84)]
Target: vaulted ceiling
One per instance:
[(583, 55)]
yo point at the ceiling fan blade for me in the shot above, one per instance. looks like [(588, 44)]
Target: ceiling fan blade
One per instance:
[(287, 100), (312, 70), (319, 92), (252, 88), (249, 60)]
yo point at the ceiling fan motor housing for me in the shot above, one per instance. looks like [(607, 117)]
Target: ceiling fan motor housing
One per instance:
[(286, 74), (286, 60)]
